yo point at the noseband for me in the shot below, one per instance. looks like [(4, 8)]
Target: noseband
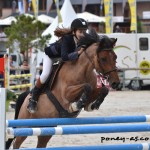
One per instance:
[(105, 74)]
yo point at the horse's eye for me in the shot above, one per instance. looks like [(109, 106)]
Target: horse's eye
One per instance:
[(115, 57)]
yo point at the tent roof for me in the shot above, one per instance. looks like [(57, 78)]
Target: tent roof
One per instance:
[(45, 19), (28, 15), (67, 18), (89, 17), (7, 21)]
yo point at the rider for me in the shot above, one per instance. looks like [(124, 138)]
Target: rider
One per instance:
[(66, 48)]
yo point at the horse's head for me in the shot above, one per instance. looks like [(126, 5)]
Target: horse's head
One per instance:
[(106, 60), (101, 55)]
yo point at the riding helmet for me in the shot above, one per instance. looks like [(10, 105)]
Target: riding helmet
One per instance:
[(79, 23)]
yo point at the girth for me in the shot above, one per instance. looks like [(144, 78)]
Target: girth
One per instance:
[(62, 112)]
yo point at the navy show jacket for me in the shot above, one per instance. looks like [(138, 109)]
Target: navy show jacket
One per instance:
[(64, 48)]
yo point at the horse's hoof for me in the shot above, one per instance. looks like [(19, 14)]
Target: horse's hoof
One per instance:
[(94, 106), (31, 109), (80, 104), (73, 107)]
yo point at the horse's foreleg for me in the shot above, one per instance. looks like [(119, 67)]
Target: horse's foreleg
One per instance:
[(84, 90), (102, 94), (84, 97), (42, 141)]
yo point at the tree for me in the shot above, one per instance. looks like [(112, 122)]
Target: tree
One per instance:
[(139, 25), (27, 32)]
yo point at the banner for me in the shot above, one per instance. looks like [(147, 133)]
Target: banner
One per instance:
[(84, 3), (21, 6), (35, 5), (123, 6), (49, 5), (29, 5), (101, 7), (108, 5), (132, 4), (58, 11)]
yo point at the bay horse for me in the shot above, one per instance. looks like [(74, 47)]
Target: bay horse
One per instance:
[(76, 84)]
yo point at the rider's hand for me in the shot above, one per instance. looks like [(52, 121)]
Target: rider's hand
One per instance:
[(80, 51)]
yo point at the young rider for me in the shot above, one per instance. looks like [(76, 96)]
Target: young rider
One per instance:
[(66, 48)]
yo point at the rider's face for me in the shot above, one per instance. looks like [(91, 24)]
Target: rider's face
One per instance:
[(80, 33)]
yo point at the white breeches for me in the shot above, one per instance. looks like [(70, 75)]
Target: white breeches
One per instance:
[(47, 67)]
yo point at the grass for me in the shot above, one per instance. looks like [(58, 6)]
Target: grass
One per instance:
[(7, 105)]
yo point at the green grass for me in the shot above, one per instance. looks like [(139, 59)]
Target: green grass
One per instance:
[(7, 105)]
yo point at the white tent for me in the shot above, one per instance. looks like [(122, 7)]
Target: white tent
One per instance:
[(2, 22), (45, 19), (68, 15), (90, 17), (28, 15), (8, 20)]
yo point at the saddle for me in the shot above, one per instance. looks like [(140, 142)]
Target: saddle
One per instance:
[(57, 64), (55, 69)]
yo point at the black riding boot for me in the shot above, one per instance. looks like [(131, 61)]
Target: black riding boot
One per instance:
[(32, 106)]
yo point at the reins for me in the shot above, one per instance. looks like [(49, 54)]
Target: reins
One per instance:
[(103, 74), (89, 59)]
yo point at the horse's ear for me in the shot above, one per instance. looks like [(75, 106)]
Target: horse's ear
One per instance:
[(114, 40)]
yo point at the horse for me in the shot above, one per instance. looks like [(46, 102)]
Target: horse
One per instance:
[(75, 86)]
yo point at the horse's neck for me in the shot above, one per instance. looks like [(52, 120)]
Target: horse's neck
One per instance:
[(85, 63), (79, 70)]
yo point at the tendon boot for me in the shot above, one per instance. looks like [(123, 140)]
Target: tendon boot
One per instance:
[(82, 101), (103, 93), (84, 97), (32, 106)]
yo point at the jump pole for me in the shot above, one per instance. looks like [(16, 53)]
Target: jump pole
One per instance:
[(76, 121), (143, 146), (78, 130)]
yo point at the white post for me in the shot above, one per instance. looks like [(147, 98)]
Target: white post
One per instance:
[(2, 118)]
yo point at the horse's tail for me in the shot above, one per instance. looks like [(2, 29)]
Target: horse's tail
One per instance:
[(19, 103)]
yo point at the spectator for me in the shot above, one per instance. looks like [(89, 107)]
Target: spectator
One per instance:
[(2, 34), (25, 67), (14, 4), (118, 29), (1, 80), (12, 66)]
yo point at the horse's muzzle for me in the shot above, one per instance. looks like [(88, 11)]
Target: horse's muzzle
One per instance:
[(115, 85)]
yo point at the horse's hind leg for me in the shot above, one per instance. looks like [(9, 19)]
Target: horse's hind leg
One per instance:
[(42, 141), (18, 141)]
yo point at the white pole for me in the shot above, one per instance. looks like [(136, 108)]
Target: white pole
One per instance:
[(2, 117)]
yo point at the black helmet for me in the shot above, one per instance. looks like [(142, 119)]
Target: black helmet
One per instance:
[(79, 23)]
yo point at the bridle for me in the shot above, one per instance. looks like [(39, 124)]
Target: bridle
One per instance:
[(105, 74)]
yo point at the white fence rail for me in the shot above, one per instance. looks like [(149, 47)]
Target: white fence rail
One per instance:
[(123, 78)]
